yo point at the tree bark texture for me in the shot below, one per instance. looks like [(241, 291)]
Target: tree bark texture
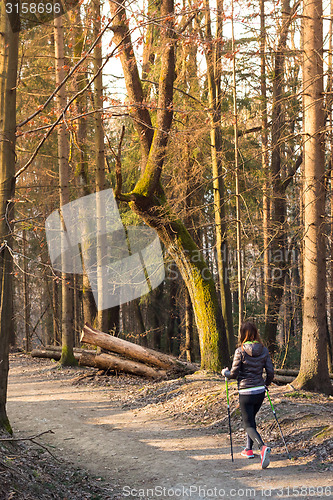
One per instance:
[(26, 301), (278, 248), (100, 167), (81, 170), (313, 374), (264, 153), (67, 357), (8, 76)]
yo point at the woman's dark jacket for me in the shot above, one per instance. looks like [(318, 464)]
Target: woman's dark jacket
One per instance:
[(248, 364)]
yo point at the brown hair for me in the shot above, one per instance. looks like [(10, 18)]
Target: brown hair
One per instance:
[(248, 333)]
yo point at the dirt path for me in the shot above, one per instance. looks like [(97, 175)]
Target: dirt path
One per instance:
[(134, 452)]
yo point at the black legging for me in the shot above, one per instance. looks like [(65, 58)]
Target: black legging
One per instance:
[(250, 404)]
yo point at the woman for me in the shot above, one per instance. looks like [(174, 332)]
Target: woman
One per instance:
[(250, 358)]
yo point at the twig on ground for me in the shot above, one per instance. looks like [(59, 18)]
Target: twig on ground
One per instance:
[(28, 438), (46, 449), (32, 439)]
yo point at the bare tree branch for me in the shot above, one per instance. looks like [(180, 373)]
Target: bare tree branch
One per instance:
[(72, 71)]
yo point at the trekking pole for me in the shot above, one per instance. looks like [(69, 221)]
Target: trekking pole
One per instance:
[(269, 399), (228, 406)]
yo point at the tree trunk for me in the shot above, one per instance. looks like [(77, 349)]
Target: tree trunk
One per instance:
[(148, 56), (330, 135), (51, 354), (113, 320), (172, 322), (237, 188), (278, 251), (67, 357), (188, 327), (81, 171), (291, 373), (214, 74), (264, 153), (56, 312), (313, 373), (54, 352), (77, 309), (26, 301), (8, 75), (122, 37), (147, 199), (100, 170), (140, 325), (155, 316)]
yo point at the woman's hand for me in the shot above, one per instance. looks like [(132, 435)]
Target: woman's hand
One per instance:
[(225, 372)]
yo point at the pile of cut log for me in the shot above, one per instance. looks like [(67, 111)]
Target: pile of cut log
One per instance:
[(122, 356), (130, 358)]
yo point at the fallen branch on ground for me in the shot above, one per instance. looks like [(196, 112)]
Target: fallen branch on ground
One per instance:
[(50, 354), (28, 438), (290, 372), (32, 439)]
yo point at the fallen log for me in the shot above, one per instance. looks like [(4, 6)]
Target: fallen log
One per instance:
[(133, 351), (290, 372), (51, 354), (280, 379), (79, 350), (110, 362)]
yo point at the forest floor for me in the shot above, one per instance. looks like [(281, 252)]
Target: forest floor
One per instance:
[(117, 437)]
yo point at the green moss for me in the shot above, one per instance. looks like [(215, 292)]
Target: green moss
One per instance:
[(194, 269), (311, 380), (297, 394), (67, 357), (323, 433), (5, 425)]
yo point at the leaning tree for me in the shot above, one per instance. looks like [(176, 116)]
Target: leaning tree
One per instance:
[(147, 199)]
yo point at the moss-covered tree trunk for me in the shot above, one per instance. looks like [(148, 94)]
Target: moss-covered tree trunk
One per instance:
[(8, 76), (196, 275), (313, 374), (147, 198)]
